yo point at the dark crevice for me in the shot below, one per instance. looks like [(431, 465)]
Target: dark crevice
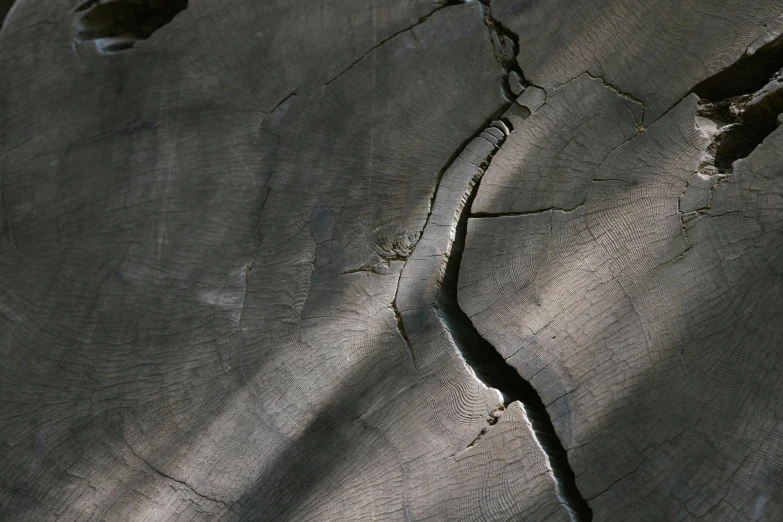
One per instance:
[(750, 73), (744, 102), (494, 371), (116, 25), (5, 7), (496, 34), (403, 256), (495, 117), (505, 47), (742, 123)]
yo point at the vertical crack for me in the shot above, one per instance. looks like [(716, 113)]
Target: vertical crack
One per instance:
[(431, 280), (468, 166), (494, 371), (7, 215), (401, 328), (505, 47), (489, 366)]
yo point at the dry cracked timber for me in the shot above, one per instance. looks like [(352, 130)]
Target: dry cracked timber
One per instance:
[(391, 260)]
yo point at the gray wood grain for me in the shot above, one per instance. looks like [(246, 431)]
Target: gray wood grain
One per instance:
[(402, 260)]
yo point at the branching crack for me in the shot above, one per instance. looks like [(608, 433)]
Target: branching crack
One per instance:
[(628, 96)]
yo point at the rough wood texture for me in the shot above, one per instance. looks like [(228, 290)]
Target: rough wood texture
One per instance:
[(405, 260)]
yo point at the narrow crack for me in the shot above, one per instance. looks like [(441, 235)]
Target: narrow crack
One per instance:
[(401, 328), (442, 5), (682, 220), (481, 215), (402, 463), (7, 212), (249, 267), (616, 481), (281, 102), (618, 91), (493, 418), (159, 472)]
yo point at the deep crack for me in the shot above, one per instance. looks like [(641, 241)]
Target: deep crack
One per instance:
[(493, 370), (741, 105), (489, 366), (749, 73)]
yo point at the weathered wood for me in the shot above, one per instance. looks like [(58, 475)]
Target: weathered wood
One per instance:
[(406, 260)]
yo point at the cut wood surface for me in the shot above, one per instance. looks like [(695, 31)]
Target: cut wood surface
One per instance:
[(353, 260)]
